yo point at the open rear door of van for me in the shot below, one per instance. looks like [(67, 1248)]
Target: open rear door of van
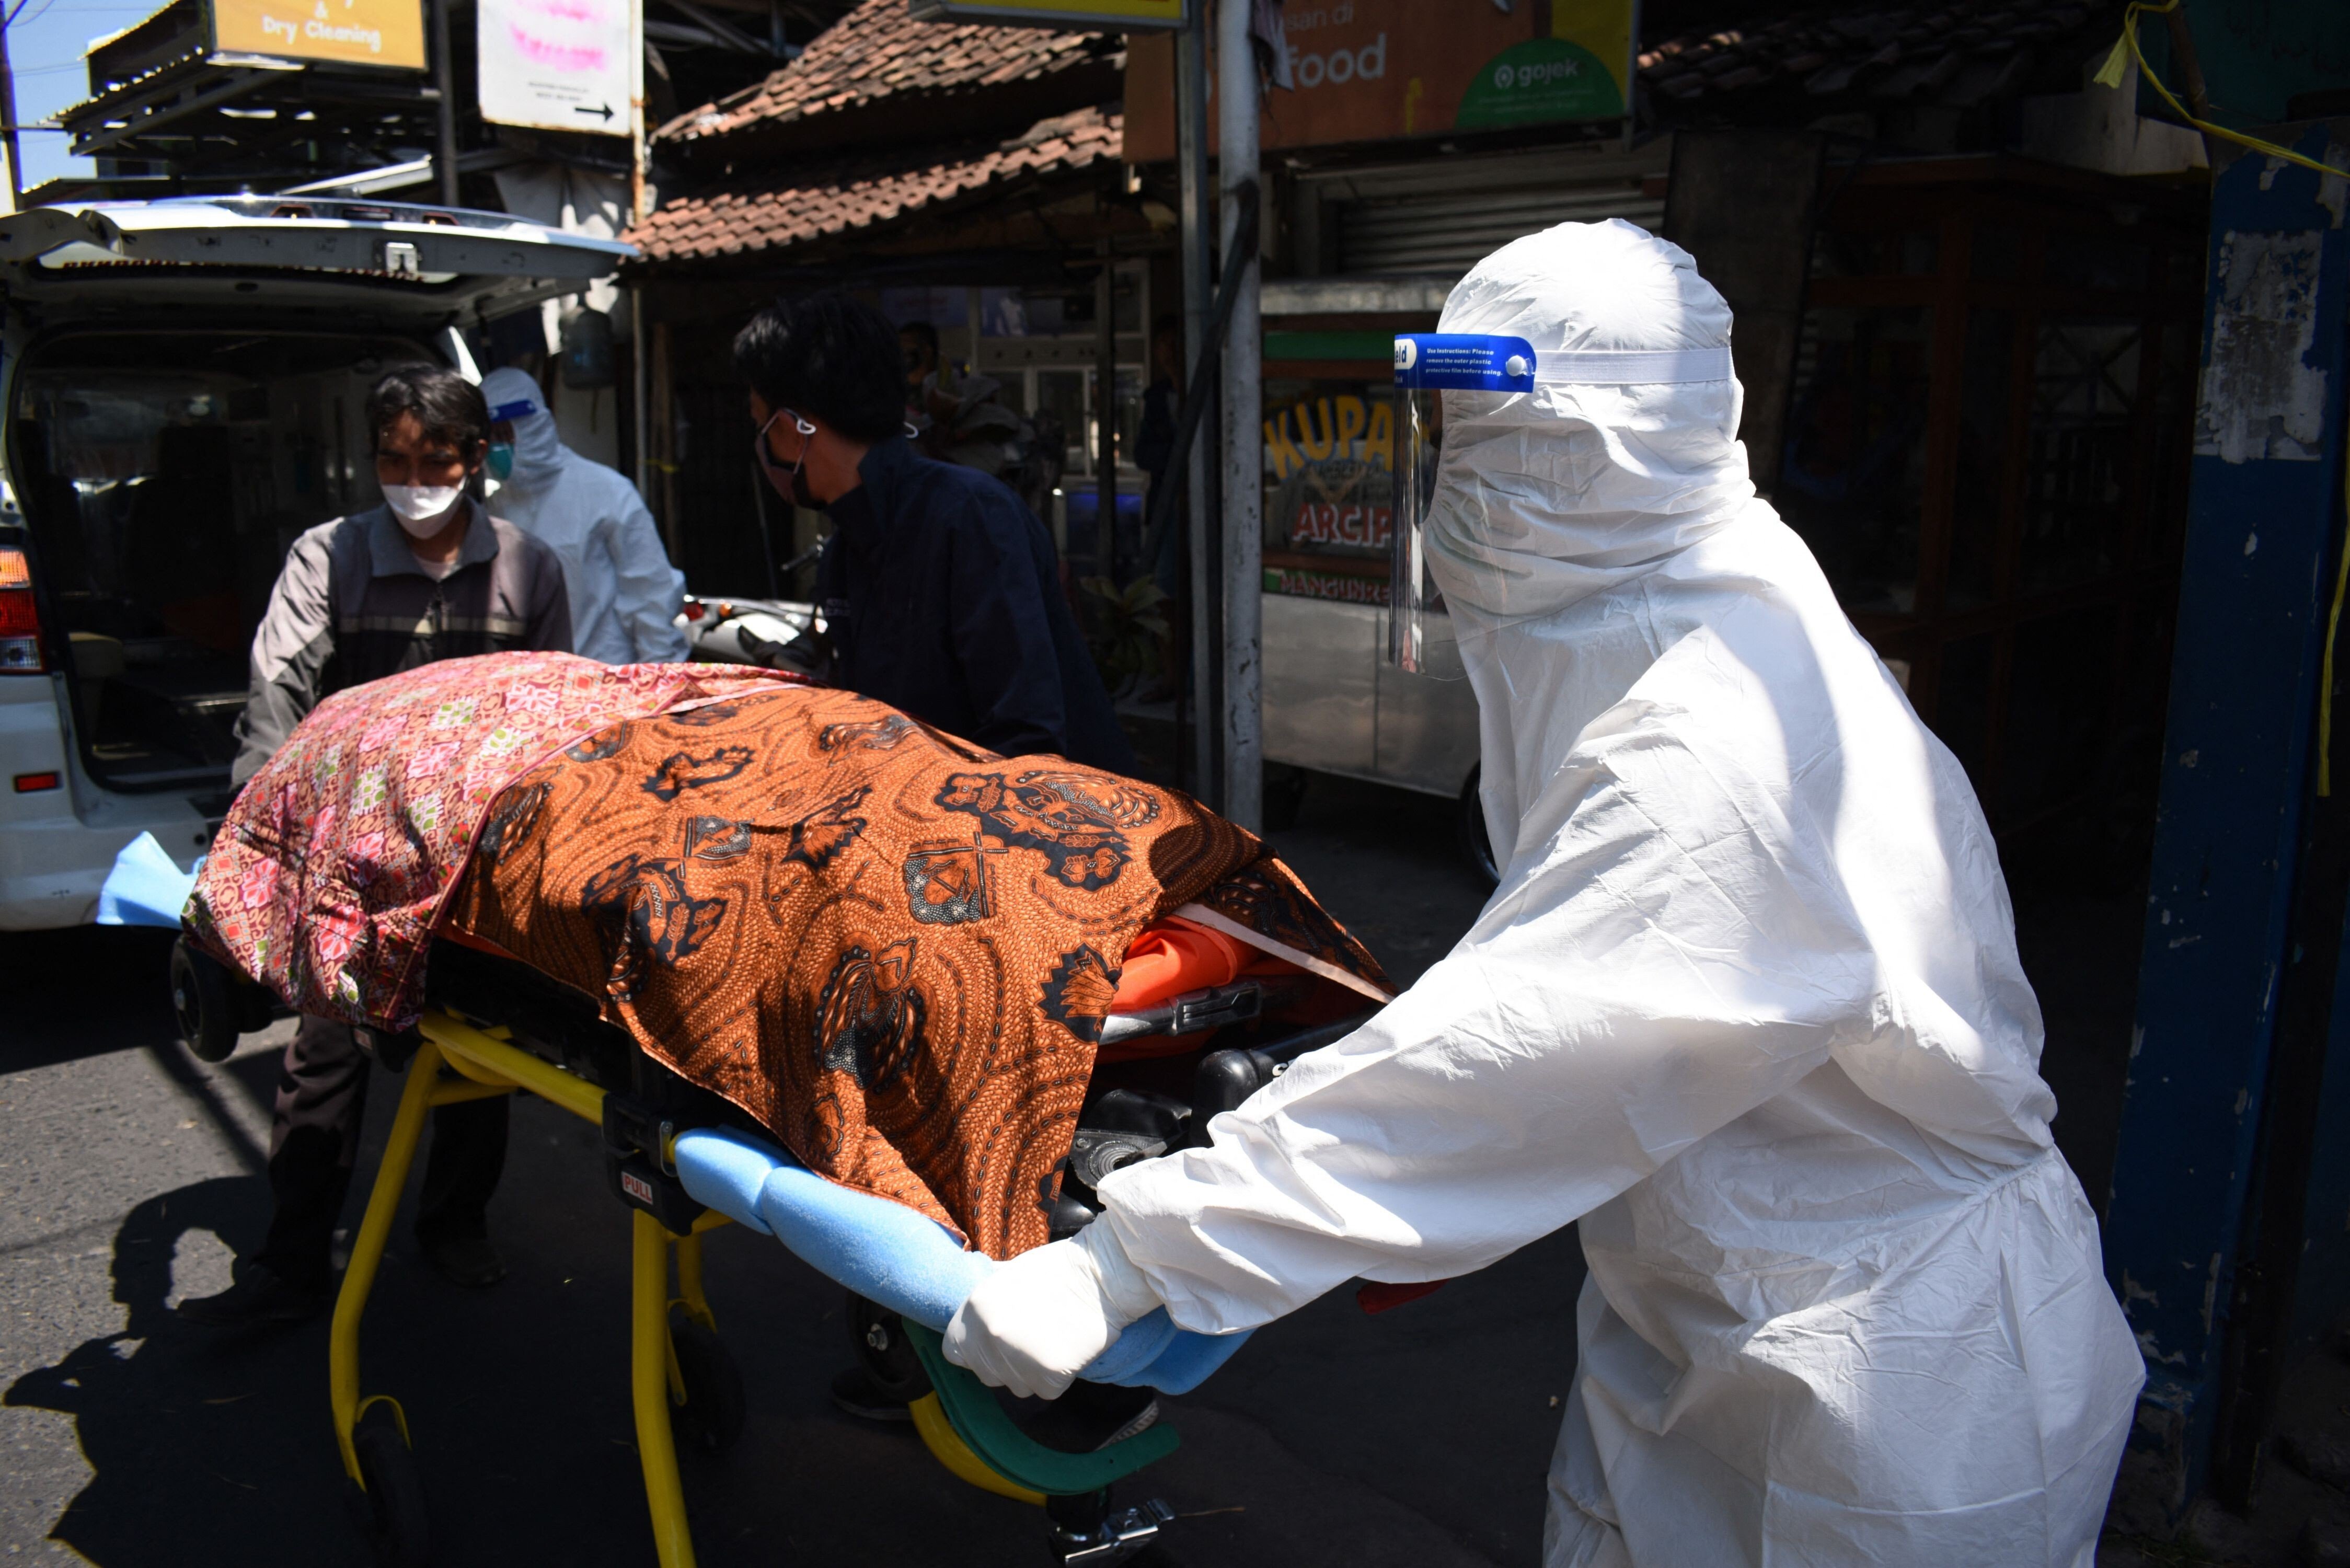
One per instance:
[(393, 265), (183, 385)]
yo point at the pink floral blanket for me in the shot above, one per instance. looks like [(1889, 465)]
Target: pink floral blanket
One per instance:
[(329, 874)]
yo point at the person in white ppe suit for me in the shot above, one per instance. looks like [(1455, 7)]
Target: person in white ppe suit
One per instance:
[(625, 596), (1746, 1005)]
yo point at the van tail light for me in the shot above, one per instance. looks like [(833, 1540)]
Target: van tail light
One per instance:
[(20, 622)]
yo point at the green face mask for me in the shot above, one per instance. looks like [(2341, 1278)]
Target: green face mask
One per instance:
[(501, 460)]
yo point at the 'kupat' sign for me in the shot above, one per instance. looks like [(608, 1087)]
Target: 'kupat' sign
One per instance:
[(1329, 466), (1317, 430), (347, 32)]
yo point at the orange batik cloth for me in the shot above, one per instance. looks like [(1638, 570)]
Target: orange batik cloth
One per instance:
[(891, 948)]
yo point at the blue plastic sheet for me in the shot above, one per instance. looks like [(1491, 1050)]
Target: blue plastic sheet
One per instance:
[(146, 887)]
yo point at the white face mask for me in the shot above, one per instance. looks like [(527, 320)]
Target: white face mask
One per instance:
[(422, 509)]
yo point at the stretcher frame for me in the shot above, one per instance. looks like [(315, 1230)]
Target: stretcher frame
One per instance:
[(956, 1429)]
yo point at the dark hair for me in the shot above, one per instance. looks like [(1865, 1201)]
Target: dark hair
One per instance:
[(830, 354), (448, 406), (1169, 324), (922, 332)]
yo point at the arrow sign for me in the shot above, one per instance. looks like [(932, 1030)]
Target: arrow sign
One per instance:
[(562, 65)]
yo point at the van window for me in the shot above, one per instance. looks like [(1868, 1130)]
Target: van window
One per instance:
[(164, 477)]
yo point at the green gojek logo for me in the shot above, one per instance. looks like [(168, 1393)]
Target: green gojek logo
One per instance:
[(1541, 79)]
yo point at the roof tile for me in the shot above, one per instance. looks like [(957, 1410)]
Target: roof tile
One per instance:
[(769, 211), (1885, 50), (879, 49)]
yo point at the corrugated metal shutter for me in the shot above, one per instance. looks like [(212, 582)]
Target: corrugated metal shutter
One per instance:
[(1451, 234)]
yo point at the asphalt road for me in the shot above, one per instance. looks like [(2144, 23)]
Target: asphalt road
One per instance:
[(130, 1174)]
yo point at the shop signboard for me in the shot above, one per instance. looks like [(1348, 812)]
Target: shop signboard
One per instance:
[(557, 64), (343, 32), (1375, 70), (1330, 514), (1078, 15), (1332, 700)]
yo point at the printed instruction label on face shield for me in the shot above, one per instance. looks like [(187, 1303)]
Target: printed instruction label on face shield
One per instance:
[(1464, 362), (1427, 366)]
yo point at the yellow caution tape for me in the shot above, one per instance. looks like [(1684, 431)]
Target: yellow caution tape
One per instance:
[(2125, 50), (2325, 673), (2110, 75)]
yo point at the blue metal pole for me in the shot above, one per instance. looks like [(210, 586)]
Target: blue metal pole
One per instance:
[(2263, 529)]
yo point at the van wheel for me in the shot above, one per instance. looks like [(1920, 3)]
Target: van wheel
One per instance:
[(1476, 844), (200, 1001)]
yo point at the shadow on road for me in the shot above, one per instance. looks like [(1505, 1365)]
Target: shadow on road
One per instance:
[(81, 991), (206, 1448)]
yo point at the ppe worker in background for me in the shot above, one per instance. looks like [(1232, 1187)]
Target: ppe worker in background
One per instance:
[(427, 576), (1746, 1005), (625, 596), (957, 418), (940, 589)]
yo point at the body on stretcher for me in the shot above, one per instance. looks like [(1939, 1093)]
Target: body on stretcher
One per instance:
[(681, 891)]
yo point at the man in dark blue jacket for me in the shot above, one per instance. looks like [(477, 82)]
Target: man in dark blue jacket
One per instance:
[(939, 588)]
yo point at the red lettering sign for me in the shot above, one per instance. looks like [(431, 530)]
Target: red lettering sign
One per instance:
[(1342, 522), (1325, 586)]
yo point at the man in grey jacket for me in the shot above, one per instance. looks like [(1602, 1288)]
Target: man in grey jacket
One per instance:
[(427, 576)]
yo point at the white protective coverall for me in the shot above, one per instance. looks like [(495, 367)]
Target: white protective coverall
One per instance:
[(1746, 1003), (625, 596)]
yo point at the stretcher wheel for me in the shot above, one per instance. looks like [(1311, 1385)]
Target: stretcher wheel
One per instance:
[(200, 999), (396, 1523), (888, 1357), (713, 1415)]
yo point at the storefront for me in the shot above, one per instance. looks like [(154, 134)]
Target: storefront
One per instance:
[(1373, 215), (974, 187)]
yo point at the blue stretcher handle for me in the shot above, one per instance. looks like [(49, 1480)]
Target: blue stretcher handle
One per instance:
[(896, 1258)]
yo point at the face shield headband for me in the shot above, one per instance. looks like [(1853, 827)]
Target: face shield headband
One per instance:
[(1429, 364), (500, 462)]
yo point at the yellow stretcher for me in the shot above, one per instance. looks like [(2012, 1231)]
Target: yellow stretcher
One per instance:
[(676, 1364)]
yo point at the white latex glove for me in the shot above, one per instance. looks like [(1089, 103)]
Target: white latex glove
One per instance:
[(1034, 1322)]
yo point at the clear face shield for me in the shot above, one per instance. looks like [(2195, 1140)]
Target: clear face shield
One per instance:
[(1427, 366)]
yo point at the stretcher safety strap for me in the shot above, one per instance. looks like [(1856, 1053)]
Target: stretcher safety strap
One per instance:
[(1199, 914)]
